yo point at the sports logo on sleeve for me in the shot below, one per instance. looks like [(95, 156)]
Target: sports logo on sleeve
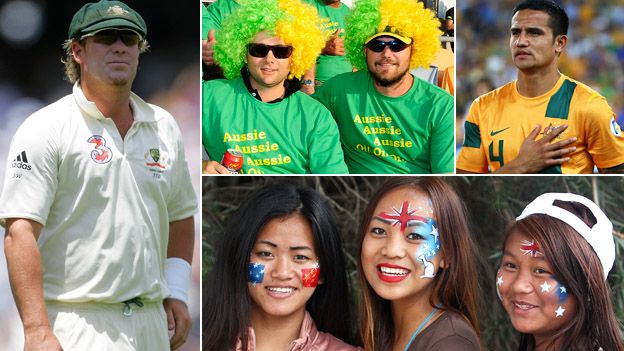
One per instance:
[(101, 154), (615, 128), (21, 162)]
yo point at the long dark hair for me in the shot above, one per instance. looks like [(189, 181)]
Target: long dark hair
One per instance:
[(227, 301), (578, 268), (455, 286)]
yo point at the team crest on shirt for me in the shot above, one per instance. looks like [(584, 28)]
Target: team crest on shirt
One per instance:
[(551, 129), (101, 153), (156, 161), (615, 128)]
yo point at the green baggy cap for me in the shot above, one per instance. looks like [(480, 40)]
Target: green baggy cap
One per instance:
[(94, 17)]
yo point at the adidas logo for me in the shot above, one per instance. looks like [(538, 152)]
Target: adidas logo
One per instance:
[(21, 162)]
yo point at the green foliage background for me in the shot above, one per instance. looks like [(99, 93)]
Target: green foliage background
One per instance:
[(492, 202)]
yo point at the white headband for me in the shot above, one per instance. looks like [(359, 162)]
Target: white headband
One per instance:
[(600, 236)]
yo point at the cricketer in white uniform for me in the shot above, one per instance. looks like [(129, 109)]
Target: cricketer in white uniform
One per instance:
[(98, 203)]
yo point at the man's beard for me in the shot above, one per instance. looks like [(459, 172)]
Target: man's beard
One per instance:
[(386, 82)]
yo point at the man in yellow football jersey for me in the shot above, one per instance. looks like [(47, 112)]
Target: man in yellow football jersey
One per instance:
[(544, 122)]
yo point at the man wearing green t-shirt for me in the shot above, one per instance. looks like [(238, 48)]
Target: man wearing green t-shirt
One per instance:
[(260, 112), (390, 121), (332, 61)]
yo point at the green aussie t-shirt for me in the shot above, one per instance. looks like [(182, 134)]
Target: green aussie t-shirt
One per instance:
[(332, 19), (295, 135), (412, 133)]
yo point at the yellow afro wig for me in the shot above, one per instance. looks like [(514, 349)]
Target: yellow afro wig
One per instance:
[(408, 18), (295, 22)]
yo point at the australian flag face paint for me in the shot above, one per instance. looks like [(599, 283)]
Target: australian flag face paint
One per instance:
[(416, 227), (535, 301), (255, 273)]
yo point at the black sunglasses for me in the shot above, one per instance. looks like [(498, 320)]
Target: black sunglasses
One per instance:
[(262, 50), (377, 45), (110, 36)]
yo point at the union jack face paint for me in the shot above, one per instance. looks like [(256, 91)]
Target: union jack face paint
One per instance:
[(530, 247), (402, 217)]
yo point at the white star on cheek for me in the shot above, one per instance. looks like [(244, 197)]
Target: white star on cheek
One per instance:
[(434, 232), (499, 281), (563, 289), (559, 311), (545, 287)]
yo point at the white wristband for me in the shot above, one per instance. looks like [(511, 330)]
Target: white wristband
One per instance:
[(178, 276)]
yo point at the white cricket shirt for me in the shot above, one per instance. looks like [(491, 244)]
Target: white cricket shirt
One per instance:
[(105, 203)]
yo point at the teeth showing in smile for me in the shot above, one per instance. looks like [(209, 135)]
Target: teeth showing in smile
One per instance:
[(393, 271), (281, 290), (523, 307)]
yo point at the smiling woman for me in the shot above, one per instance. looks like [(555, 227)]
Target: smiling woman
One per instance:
[(279, 280), (417, 269), (552, 279)]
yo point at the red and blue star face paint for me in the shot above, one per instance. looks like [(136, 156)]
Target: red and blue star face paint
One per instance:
[(562, 295), (535, 301), (255, 273)]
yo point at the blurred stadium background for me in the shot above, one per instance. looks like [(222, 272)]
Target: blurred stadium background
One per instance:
[(31, 76), (594, 54)]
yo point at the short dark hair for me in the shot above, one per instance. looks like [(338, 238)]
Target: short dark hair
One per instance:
[(227, 305), (558, 17)]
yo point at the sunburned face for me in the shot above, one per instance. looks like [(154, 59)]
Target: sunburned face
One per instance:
[(534, 300), (106, 63), (400, 251), (283, 268)]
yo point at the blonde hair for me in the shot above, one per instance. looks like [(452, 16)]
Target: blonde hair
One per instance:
[(72, 68)]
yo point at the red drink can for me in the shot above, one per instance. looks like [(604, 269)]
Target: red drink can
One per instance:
[(233, 160)]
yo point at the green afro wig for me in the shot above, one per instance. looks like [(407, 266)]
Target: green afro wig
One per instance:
[(406, 17), (295, 22)]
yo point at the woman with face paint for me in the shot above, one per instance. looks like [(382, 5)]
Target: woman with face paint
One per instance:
[(417, 270), (552, 279), (279, 281)]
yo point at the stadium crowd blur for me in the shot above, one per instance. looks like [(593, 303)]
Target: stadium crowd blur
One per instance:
[(31, 76), (594, 54)]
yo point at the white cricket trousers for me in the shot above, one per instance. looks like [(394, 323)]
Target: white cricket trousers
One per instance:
[(103, 327)]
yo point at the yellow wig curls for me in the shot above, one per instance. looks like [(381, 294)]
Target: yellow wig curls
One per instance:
[(295, 22), (406, 17)]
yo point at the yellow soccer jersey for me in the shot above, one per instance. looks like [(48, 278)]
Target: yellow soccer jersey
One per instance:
[(499, 121)]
